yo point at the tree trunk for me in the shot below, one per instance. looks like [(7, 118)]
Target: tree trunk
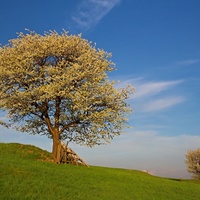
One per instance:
[(56, 151)]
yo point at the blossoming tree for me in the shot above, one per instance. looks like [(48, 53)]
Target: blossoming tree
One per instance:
[(57, 85)]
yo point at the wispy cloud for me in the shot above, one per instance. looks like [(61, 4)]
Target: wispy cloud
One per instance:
[(188, 62), (90, 12), (152, 88), (152, 96), (160, 104)]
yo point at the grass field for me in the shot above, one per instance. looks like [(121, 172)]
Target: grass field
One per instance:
[(26, 173)]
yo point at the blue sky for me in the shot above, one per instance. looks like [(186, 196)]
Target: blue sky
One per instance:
[(156, 48)]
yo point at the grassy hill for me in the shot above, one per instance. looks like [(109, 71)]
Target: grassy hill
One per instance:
[(26, 173)]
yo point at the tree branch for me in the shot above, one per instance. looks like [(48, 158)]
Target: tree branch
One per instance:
[(57, 112), (68, 125)]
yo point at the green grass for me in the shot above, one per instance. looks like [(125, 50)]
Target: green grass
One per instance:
[(26, 173)]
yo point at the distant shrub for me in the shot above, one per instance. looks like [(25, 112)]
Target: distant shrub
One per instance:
[(193, 163)]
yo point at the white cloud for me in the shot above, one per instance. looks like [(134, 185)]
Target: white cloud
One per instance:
[(148, 150), (160, 104), (144, 150), (90, 12)]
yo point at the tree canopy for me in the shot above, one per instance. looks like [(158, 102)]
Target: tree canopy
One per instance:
[(57, 85)]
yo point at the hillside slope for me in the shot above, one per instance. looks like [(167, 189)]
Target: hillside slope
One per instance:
[(25, 175)]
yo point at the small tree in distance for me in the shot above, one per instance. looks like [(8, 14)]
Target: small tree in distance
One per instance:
[(193, 163), (57, 85)]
